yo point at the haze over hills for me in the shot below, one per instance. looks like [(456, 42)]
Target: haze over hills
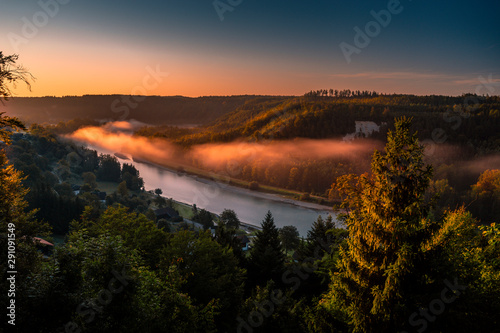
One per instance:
[(226, 118), (170, 110), (314, 117), (297, 143), (294, 143)]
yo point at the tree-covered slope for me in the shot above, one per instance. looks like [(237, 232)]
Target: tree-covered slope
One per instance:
[(151, 109), (467, 119)]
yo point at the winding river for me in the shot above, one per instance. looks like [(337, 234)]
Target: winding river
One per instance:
[(251, 207)]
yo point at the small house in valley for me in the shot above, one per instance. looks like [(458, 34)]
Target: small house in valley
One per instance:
[(166, 213)]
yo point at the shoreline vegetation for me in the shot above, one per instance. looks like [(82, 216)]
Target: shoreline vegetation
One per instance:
[(127, 229), (237, 185), (230, 184)]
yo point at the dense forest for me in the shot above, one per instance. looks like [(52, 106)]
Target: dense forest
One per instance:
[(408, 255), (466, 119), (421, 267), (460, 133), (175, 110)]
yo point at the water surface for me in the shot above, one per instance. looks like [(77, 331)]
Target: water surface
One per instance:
[(215, 197)]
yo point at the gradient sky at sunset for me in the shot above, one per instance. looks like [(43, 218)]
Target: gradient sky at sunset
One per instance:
[(261, 47)]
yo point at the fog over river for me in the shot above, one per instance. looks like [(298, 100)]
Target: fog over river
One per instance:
[(250, 206)]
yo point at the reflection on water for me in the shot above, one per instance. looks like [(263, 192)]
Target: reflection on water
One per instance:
[(215, 197)]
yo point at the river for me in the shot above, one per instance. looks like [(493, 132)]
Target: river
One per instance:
[(250, 207)]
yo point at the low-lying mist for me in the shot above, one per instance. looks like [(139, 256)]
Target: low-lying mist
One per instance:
[(123, 142), (216, 154), (318, 161)]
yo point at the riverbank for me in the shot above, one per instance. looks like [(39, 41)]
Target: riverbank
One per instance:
[(264, 195), (229, 184), (216, 192)]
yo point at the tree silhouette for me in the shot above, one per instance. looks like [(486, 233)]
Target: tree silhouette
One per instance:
[(289, 236), (11, 73), (266, 257), (230, 219), (17, 225)]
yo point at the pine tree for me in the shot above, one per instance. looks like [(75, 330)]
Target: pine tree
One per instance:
[(318, 241), (381, 266), (266, 257)]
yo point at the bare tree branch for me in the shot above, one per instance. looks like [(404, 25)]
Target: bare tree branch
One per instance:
[(10, 73)]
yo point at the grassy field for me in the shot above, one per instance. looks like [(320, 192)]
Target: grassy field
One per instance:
[(108, 187), (184, 210)]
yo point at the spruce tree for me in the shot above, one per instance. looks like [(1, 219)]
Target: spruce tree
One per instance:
[(266, 257), (319, 241), (382, 264)]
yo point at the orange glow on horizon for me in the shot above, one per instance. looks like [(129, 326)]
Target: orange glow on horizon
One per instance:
[(72, 69)]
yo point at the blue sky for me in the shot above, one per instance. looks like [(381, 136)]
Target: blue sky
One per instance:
[(278, 47)]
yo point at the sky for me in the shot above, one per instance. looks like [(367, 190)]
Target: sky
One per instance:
[(235, 47)]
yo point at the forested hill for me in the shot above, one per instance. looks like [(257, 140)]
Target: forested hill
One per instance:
[(175, 110), (468, 119)]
